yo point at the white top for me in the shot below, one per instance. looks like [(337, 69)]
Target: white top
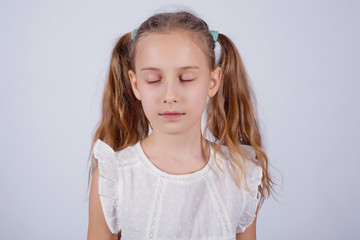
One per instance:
[(144, 202)]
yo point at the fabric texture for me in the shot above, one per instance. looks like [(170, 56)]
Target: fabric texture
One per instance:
[(144, 202)]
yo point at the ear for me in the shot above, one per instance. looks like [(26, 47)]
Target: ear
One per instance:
[(134, 84), (215, 78)]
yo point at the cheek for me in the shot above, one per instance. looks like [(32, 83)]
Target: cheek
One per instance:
[(197, 100), (147, 111), (148, 103), (149, 100)]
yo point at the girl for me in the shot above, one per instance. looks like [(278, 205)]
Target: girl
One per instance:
[(175, 183)]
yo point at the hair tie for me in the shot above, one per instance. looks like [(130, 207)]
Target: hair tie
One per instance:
[(133, 33), (214, 33)]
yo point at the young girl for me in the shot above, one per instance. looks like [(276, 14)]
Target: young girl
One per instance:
[(175, 183)]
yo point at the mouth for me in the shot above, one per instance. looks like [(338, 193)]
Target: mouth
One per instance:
[(171, 115)]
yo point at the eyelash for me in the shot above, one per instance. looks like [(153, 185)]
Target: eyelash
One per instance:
[(180, 80)]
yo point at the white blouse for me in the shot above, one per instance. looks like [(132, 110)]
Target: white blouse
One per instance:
[(144, 202)]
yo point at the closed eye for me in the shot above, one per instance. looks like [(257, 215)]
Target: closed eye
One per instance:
[(154, 81), (183, 80)]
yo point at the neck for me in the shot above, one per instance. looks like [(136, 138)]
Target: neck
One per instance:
[(178, 147)]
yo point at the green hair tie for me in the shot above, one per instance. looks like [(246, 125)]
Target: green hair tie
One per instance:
[(133, 33), (214, 33)]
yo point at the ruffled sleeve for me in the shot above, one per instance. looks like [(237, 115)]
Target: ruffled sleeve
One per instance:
[(253, 179), (108, 183)]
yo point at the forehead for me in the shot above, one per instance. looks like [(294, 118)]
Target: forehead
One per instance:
[(169, 51)]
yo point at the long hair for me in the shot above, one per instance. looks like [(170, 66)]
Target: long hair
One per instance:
[(231, 115)]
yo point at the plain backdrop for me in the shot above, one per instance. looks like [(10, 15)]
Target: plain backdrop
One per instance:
[(302, 58)]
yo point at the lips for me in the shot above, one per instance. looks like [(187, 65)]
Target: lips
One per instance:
[(171, 113)]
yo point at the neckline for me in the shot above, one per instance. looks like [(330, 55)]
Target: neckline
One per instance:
[(203, 171)]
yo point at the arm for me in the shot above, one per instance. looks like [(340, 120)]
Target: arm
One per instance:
[(97, 228), (250, 232)]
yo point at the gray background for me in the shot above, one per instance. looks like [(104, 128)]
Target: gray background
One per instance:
[(302, 58)]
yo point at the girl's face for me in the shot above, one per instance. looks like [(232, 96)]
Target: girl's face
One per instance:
[(172, 75)]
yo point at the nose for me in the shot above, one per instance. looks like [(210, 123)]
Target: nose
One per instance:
[(170, 93), (169, 99)]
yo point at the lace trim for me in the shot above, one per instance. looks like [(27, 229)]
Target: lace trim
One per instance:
[(251, 198), (108, 184), (157, 204), (219, 203)]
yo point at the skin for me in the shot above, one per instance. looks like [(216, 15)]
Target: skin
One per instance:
[(98, 228), (249, 233), (174, 146)]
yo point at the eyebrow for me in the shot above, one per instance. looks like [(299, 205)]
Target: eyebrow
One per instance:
[(180, 68)]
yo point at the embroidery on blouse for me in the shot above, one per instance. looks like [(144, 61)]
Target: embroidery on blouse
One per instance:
[(157, 203), (215, 194)]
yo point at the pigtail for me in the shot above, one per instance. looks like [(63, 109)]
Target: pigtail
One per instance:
[(232, 119), (123, 122)]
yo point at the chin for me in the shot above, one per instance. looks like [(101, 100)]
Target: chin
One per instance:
[(171, 130)]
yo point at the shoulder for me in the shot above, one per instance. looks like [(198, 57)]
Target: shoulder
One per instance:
[(243, 197), (105, 153), (252, 169), (247, 150), (107, 179)]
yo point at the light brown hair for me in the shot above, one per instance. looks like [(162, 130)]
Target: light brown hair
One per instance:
[(231, 113)]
